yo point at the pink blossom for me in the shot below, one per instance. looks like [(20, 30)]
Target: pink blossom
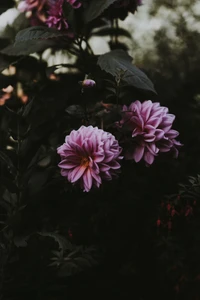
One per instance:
[(29, 5), (74, 3), (89, 155), (55, 15), (37, 9), (150, 126)]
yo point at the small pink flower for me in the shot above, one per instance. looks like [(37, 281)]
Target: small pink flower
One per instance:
[(89, 155), (37, 10), (88, 83), (29, 5), (74, 3), (56, 18), (150, 126)]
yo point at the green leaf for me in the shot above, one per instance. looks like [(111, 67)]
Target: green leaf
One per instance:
[(63, 243), (118, 60), (112, 32), (33, 39), (37, 32), (75, 111), (28, 47), (95, 9), (5, 159)]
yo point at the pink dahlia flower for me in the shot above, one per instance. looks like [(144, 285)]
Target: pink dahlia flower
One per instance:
[(151, 128), (89, 155)]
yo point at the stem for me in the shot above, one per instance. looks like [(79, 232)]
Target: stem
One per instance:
[(18, 162)]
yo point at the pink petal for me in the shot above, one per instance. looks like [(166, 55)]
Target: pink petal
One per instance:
[(87, 180), (149, 158), (138, 153), (77, 173)]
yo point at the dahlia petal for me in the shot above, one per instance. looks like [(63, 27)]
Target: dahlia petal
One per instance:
[(87, 180), (77, 173), (159, 133), (96, 177), (66, 164), (154, 121), (149, 137), (172, 134), (104, 167), (146, 109), (138, 153), (149, 158)]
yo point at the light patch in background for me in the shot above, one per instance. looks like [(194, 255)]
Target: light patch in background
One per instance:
[(7, 18)]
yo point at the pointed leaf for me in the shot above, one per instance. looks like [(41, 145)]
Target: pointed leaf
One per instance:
[(95, 9), (116, 60)]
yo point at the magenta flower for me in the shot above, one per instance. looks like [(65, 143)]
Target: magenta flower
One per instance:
[(150, 126), (37, 8), (89, 155), (74, 3), (56, 18), (29, 5)]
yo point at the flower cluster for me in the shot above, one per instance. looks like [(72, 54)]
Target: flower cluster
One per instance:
[(150, 127), (88, 156), (47, 11)]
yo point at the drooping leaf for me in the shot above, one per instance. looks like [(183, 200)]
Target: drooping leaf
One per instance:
[(95, 9), (112, 32), (28, 47), (37, 33), (5, 159), (33, 39), (63, 243), (118, 60), (20, 241), (75, 111)]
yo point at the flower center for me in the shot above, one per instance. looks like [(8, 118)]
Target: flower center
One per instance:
[(85, 161)]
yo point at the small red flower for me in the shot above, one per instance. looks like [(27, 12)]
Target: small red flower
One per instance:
[(168, 206), (70, 233), (158, 223)]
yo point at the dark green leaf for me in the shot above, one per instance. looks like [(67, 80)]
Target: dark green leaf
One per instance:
[(63, 243), (75, 111), (28, 47), (8, 162), (95, 9), (33, 39), (37, 32), (20, 241), (118, 60), (112, 32)]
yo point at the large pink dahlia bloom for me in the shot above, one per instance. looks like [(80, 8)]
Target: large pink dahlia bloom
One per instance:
[(151, 129), (89, 155)]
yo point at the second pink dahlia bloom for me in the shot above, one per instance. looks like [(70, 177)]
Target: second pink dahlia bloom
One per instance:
[(150, 126), (88, 156)]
